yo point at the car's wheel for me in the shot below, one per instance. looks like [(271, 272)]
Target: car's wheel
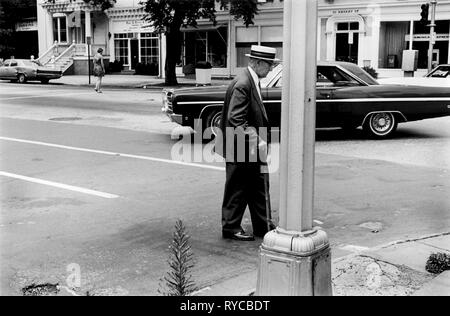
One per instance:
[(21, 78), (380, 125), (44, 81), (213, 120)]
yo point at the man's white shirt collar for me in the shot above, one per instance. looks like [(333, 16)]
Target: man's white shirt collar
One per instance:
[(255, 80)]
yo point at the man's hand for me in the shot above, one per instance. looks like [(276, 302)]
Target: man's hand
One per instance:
[(263, 150)]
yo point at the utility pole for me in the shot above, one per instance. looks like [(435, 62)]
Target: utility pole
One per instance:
[(88, 42), (432, 25), (295, 257)]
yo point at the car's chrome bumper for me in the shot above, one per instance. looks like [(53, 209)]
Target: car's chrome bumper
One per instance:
[(177, 118), (167, 107)]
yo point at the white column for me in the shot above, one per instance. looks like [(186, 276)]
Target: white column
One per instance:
[(163, 56), (112, 52), (59, 29), (319, 40), (295, 258), (448, 61), (411, 34), (88, 24), (88, 29), (45, 28), (375, 43)]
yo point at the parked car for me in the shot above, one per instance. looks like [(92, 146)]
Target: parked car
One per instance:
[(347, 97), (23, 70), (438, 77)]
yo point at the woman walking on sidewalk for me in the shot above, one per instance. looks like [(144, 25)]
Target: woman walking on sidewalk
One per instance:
[(99, 69)]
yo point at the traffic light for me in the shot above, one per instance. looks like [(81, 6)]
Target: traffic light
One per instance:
[(424, 14)]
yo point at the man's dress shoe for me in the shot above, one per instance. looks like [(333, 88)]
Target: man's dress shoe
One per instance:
[(242, 236)]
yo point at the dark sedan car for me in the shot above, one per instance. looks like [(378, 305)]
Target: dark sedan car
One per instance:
[(347, 97), (23, 70)]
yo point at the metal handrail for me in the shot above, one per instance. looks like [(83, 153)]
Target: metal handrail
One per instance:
[(64, 52), (48, 51)]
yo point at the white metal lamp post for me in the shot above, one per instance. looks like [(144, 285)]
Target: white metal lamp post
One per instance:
[(295, 257)]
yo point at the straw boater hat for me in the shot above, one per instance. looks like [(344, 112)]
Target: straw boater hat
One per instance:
[(263, 52)]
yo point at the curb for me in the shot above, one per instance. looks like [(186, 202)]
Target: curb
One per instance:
[(247, 281)]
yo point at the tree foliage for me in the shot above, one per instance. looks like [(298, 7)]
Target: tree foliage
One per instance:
[(11, 12), (169, 16), (178, 280)]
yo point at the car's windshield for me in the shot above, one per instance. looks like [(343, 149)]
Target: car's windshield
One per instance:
[(271, 76), (359, 72), (440, 72), (26, 63)]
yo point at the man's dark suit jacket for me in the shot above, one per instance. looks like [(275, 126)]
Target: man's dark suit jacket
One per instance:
[(244, 112)]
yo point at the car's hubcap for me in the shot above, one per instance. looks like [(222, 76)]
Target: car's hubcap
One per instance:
[(382, 122)]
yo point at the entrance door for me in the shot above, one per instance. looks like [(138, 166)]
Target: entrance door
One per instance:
[(134, 50), (347, 42), (347, 47)]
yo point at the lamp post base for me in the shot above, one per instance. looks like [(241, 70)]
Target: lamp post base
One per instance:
[(294, 264)]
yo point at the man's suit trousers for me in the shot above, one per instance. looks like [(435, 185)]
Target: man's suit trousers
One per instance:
[(244, 186)]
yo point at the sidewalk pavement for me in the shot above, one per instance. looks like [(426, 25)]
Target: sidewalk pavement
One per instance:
[(132, 81), (395, 269)]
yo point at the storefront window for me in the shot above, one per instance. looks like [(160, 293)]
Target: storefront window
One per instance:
[(245, 38), (441, 46), (121, 48), (392, 43), (208, 45), (149, 48), (217, 47), (150, 53), (270, 35)]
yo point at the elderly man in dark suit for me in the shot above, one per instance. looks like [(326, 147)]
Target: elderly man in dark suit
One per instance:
[(245, 136)]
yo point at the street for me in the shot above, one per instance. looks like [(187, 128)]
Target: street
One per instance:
[(88, 179)]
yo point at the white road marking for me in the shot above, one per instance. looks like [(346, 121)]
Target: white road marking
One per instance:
[(109, 153), (44, 96), (59, 185)]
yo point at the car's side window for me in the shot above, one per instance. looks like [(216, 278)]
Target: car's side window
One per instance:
[(322, 80), (333, 76), (7, 62), (13, 63)]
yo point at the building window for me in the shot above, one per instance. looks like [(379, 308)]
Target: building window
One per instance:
[(392, 43), (60, 29), (150, 52), (245, 38), (149, 48), (121, 48), (347, 41), (208, 45), (217, 47), (440, 48), (271, 35)]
